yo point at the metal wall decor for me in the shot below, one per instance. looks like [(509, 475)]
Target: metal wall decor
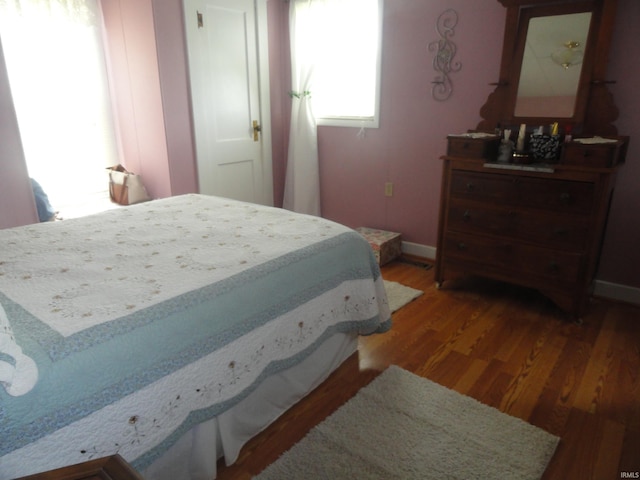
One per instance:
[(445, 50)]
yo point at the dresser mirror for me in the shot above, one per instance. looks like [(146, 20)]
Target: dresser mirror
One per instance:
[(553, 67), (554, 52)]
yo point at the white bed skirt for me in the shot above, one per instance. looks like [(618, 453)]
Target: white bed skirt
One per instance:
[(195, 455)]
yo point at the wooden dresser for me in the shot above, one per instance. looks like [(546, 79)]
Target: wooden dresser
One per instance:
[(541, 227), (526, 225)]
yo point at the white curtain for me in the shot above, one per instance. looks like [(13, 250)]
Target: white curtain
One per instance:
[(57, 72), (302, 183)]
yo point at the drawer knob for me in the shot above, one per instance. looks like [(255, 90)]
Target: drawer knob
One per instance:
[(466, 215), (462, 246), (553, 266), (565, 197), (470, 187)]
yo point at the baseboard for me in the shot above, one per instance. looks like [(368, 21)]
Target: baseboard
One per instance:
[(613, 291), (419, 250)]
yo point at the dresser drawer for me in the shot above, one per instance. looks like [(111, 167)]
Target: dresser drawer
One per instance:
[(514, 259), (464, 146), (512, 190), (566, 232), (534, 228), (603, 155)]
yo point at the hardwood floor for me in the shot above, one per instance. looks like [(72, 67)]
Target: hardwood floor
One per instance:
[(509, 348)]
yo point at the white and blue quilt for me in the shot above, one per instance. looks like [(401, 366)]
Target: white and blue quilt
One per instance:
[(121, 331)]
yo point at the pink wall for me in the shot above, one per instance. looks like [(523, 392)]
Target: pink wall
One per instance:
[(621, 256), (405, 150), (176, 102), (149, 82), (136, 83), (17, 205), (280, 80)]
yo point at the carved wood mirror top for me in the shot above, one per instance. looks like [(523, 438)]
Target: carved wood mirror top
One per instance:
[(548, 43)]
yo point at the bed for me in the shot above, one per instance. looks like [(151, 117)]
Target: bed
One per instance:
[(172, 331)]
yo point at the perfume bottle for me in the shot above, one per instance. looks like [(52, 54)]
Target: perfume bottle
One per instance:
[(568, 133), (506, 147), (521, 138)]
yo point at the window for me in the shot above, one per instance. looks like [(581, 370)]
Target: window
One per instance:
[(57, 73), (345, 89)]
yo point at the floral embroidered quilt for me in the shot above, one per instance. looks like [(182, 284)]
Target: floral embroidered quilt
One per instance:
[(121, 331)]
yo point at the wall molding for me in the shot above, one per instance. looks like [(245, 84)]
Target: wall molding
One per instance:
[(612, 291), (616, 291), (419, 250)]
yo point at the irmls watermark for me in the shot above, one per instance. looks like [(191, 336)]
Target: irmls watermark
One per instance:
[(629, 474)]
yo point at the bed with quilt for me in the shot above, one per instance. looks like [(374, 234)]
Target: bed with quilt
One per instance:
[(172, 331)]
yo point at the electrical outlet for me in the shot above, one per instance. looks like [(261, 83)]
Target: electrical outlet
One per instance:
[(388, 189)]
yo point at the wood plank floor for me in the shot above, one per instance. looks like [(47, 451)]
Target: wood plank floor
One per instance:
[(509, 348)]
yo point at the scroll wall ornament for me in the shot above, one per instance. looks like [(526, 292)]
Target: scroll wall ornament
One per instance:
[(445, 51)]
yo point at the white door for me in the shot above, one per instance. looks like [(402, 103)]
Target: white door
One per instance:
[(228, 66)]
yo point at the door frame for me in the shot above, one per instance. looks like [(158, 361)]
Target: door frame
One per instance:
[(262, 35)]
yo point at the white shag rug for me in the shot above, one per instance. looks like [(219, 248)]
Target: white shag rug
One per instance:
[(399, 295), (402, 426)]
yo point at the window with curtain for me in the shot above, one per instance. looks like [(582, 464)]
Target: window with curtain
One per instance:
[(344, 38), (57, 73)]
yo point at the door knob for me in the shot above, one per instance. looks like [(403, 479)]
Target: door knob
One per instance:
[(256, 130)]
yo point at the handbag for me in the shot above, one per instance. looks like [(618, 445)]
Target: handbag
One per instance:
[(126, 188)]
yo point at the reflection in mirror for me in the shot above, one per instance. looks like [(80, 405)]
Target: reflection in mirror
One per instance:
[(551, 65)]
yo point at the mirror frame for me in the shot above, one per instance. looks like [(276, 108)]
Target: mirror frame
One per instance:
[(582, 87), (594, 110)]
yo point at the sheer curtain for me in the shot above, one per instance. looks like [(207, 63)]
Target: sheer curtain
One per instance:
[(58, 78), (302, 183)]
